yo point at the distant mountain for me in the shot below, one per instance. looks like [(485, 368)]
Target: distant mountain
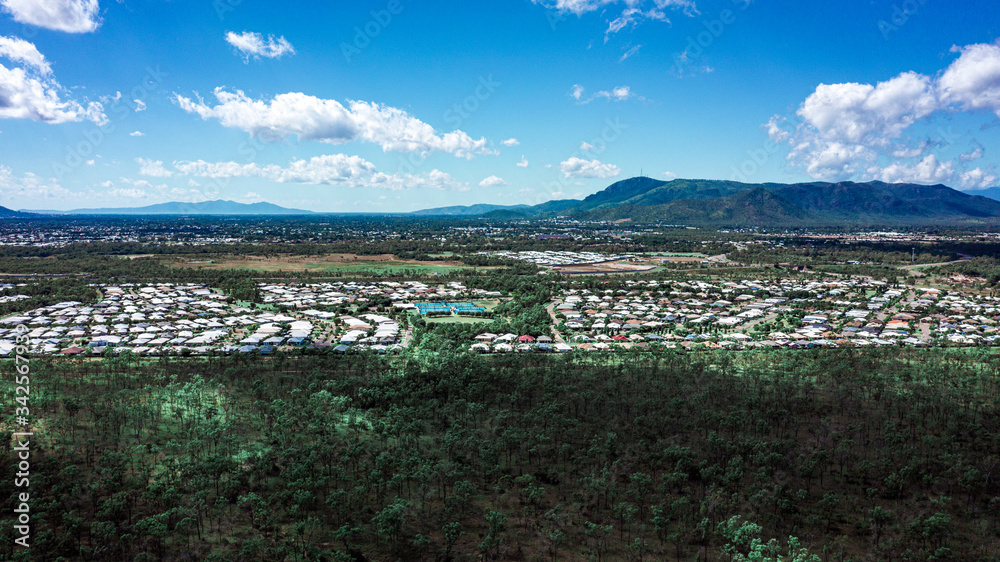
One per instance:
[(219, 207), (486, 209), (757, 206), (729, 203), (6, 213), (991, 193), (469, 210)]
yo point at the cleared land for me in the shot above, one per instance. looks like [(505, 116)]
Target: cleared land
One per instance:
[(381, 263), (620, 266)]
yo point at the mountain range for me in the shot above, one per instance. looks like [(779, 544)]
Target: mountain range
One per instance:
[(219, 207), (681, 201), (729, 203)]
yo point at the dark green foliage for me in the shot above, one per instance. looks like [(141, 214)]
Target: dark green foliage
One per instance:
[(844, 454)]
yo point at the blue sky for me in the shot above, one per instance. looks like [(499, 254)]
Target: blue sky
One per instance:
[(397, 105)]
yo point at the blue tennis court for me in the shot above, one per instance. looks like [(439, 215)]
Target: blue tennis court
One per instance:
[(453, 307)]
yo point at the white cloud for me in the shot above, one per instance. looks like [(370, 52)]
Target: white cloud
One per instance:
[(493, 181), (976, 154), (861, 113), (629, 53), (909, 151), (255, 45), (142, 184), (153, 168), (333, 169), (21, 51), (853, 130), (139, 105), (579, 168), (311, 118), (510, 142), (30, 92), (927, 171), (523, 163), (71, 16), (252, 197), (973, 81), (137, 134), (635, 11), (631, 17), (621, 93), (126, 193), (29, 187), (669, 175), (978, 178)]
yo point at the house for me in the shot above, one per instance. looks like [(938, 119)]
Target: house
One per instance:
[(526, 339)]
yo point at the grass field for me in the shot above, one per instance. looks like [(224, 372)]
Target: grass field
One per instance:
[(457, 320), (676, 254)]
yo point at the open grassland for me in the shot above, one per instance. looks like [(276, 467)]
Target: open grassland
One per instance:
[(386, 264)]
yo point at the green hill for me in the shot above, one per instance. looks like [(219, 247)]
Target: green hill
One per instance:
[(730, 203), (756, 207), (6, 213), (711, 202)]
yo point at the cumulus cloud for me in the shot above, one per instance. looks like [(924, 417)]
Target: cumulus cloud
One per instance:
[(254, 45), (973, 81), (310, 118), (863, 131), (669, 175), (153, 168), (21, 51), (523, 163), (976, 154), (978, 178), (137, 134), (510, 142), (29, 187), (71, 16), (929, 171), (579, 168), (31, 92), (333, 169), (139, 105), (493, 181)]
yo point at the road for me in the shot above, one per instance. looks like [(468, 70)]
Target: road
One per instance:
[(917, 266), (555, 322)]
